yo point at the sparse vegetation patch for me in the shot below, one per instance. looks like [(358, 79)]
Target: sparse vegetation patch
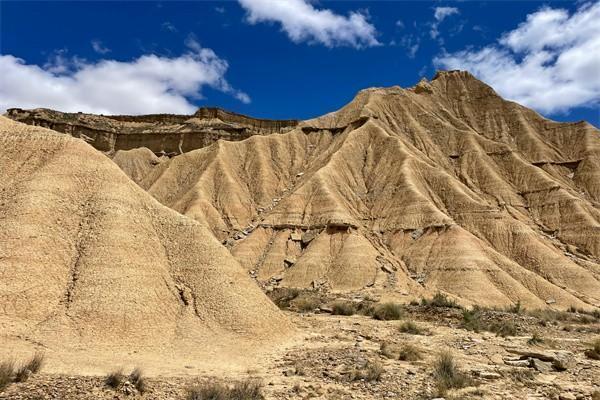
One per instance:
[(387, 311), (249, 389), (447, 374)]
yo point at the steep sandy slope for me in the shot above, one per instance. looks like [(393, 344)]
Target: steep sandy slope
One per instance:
[(444, 186), (90, 260)]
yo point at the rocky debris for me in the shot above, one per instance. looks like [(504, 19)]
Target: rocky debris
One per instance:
[(559, 359)]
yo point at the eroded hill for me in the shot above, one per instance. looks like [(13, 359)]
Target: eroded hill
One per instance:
[(441, 187), (90, 261)]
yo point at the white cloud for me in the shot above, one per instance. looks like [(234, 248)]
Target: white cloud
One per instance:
[(550, 62), (99, 47), (304, 23), (148, 84), (440, 14)]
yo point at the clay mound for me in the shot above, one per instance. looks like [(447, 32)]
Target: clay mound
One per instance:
[(89, 259), (443, 186)]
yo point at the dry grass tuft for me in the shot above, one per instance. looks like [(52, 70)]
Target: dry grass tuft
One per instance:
[(249, 389), (447, 375), (409, 352), (115, 378), (411, 328), (136, 377), (33, 366), (7, 370)]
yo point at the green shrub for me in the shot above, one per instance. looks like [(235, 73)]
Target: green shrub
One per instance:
[(387, 311)]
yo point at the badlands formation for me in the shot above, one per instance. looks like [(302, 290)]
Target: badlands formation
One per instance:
[(153, 239)]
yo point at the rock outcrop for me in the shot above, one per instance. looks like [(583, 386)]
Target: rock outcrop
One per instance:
[(161, 133)]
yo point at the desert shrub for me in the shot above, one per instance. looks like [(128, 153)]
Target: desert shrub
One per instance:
[(503, 328), (594, 351), (343, 308), (447, 375), (7, 369), (306, 304), (471, 320), (249, 389), (389, 350), (32, 366), (114, 378), (208, 391), (535, 339), (412, 328), (387, 311), (371, 372), (136, 377), (515, 308), (409, 352), (440, 300)]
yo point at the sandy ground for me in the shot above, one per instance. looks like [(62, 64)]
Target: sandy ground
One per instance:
[(318, 364)]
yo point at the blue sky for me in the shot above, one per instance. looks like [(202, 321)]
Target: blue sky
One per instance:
[(292, 58)]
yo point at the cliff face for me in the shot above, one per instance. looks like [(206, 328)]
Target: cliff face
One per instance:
[(161, 133), (444, 186)]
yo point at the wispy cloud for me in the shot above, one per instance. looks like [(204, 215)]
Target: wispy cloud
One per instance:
[(440, 14), (167, 26), (550, 62), (302, 22), (99, 47), (148, 84)]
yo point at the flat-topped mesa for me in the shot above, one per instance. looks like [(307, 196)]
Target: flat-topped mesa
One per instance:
[(161, 133)]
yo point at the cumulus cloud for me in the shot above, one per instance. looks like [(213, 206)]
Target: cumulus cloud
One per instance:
[(304, 23), (148, 84), (99, 47), (440, 14), (550, 62)]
